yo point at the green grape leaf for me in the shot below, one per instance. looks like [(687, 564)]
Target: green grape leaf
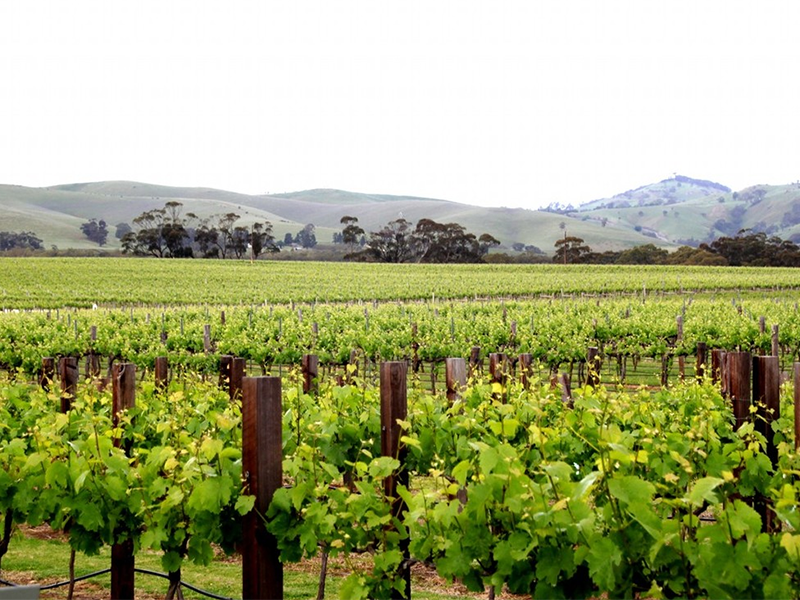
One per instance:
[(703, 491), (244, 504), (603, 555), (630, 489)]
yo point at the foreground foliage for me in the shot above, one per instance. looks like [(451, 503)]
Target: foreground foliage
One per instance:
[(624, 493)]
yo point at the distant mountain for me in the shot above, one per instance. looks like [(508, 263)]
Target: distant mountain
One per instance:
[(685, 210), (667, 213), (674, 190)]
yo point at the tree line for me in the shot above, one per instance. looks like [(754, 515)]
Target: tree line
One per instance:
[(746, 248), (25, 240), (427, 242), (167, 233)]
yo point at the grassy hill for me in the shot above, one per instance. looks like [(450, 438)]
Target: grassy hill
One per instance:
[(665, 213), (683, 210), (56, 213)]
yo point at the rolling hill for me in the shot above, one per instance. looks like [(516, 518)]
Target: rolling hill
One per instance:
[(684, 210), (666, 213)]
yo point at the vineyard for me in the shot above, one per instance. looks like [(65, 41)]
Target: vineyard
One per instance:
[(84, 282), (555, 433)]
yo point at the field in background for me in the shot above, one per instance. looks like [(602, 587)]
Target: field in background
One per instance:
[(86, 282)]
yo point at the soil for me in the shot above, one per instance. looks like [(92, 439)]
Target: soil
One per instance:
[(423, 577)]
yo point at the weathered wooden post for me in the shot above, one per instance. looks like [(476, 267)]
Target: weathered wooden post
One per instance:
[(718, 368), (700, 365), (68, 365), (475, 361), (208, 347), (525, 368), (123, 397), (394, 408), (237, 377), (566, 389), (225, 362), (766, 397), (262, 571), (455, 372), (498, 367), (738, 370), (161, 372), (123, 389), (48, 374), (310, 370)]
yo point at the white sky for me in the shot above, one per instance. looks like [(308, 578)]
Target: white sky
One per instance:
[(496, 103)]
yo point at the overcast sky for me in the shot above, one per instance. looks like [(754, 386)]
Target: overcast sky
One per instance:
[(496, 103)]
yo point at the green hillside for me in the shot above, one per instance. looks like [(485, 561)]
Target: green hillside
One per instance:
[(682, 210), (666, 213), (56, 213)]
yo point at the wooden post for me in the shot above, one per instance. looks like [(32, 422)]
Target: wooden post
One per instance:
[(225, 362), (207, 346), (498, 367), (592, 366), (566, 389), (92, 365), (310, 368), (123, 390), (237, 377), (394, 407), (738, 369), (766, 397), (475, 362), (455, 372), (700, 365), (718, 368), (665, 363), (48, 375), (525, 363), (68, 365), (161, 373), (262, 571)]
